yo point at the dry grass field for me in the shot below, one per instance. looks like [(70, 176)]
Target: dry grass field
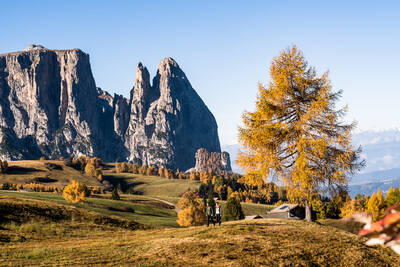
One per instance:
[(242, 243), (21, 172), (42, 229)]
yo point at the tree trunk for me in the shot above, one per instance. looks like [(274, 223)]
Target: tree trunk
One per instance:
[(308, 212)]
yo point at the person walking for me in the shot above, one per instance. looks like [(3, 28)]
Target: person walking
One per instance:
[(218, 213), (209, 213)]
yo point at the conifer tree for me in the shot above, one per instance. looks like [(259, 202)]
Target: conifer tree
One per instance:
[(296, 135), (392, 197), (376, 205)]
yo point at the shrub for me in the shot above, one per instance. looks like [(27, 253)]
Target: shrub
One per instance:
[(233, 210), (3, 166), (90, 169), (74, 192), (115, 195), (87, 190), (96, 190), (192, 210), (5, 186)]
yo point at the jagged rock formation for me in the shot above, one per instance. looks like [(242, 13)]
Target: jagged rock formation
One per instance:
[(216, 162), (49, 105)]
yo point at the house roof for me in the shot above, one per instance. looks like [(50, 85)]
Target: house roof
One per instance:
[(284, 208), (250, 217)]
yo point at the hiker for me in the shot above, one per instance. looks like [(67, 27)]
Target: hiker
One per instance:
[(218, 213), (210, 215)]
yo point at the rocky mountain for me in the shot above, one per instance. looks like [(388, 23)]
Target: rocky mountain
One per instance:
[(50, 105), (219, 163)]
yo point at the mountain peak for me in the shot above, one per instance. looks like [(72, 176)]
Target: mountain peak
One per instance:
[(34, 47)]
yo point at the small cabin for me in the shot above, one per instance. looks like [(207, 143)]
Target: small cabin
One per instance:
[(287, 211)]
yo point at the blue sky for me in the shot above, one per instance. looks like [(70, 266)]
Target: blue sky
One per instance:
[(225, 47)]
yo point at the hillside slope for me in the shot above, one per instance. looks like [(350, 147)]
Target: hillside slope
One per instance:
[(21, 172), (243, 243)]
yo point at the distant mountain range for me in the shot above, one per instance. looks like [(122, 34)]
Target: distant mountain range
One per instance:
[(381, 150)]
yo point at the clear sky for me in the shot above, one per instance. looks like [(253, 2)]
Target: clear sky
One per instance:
[(225, 47)]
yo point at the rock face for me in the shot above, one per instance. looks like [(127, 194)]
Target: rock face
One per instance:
[(218, 163), (49, 105)]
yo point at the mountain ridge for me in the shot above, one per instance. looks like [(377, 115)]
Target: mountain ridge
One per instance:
[(50, 105)]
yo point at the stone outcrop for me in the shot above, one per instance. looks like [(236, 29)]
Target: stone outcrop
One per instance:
[(215, 162), (50, 105)]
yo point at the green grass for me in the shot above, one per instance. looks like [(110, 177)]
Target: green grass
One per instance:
[(152, 185), (146, 211), (243, 243), (349, 226)]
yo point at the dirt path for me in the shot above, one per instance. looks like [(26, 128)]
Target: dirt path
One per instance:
[(177, 209)]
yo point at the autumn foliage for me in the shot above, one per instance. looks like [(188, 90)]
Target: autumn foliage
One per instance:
[(74, 192), (192, 209), (3, 166), (295, 134)]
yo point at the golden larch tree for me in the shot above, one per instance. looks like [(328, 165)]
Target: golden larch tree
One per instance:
[(295, 135), (192, 210), (74, 192)]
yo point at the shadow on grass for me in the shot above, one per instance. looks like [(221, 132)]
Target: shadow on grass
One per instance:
[(123, 184), (21, 170)]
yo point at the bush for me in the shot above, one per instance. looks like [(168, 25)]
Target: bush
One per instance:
[(74, 192), (39, 187), (90, 169), (5, 186), (96, 190), (192, 210), (115, 195), (233, 210), (3, 166)]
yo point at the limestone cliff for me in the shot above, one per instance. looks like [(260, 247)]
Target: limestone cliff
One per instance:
[(49, 105)]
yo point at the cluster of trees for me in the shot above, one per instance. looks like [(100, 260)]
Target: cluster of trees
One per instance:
[(125, 167), (3, 166), (375, 205), (226, 186), (36, 187), (88, 165), (193, 209)]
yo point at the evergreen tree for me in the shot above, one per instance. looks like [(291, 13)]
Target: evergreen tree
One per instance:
[(376, 205), (295, 134), (115, 195), (211, 202), (392, 197), (232, 210)]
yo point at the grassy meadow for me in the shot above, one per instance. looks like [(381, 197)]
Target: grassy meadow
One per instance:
[(141, 229)]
